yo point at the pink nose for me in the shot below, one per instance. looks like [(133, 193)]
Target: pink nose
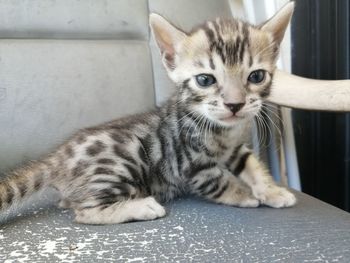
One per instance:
[(234, 107)]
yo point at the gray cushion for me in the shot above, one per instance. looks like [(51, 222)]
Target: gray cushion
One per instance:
[(193, 231), (116, 19), (54, 87)]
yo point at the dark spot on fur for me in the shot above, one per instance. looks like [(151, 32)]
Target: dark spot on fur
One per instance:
[(210, 35), (81, 139), (79, 169), (103, 170), (185, 84), (133, 172), (22, 188), (198, 167), (265, 92), (214, 103), (233, 156), (221, 191), (106, 161), (142, 154), (198, 98), (96, 148), (250, 60), (123, 154), (37, 184), (241, 163), (267, 88), (10, 195), (69, 151), (212, 181), (212, 189), (211, 63), (108, 196), (117, 137)]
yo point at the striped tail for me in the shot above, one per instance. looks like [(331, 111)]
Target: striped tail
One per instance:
[(22, 183)]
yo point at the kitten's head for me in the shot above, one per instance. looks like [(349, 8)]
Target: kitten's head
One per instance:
[(224, 68)]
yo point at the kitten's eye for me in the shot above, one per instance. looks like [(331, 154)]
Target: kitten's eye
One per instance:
[(205, 80), (257, 76)]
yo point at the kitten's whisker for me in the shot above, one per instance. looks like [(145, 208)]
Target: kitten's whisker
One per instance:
[(279, 136), (194, 129), (201, 131), (265, 132), (179, 101), (211, 129), (263, 137), (268, 131), (256, 134), (268, 127), (274, 124), (279, 124), (260, 130), (175, 104), (186, 115), (267, 107), (203, 120), (195, 132), (205, 130), (201, 123), (184, 124)]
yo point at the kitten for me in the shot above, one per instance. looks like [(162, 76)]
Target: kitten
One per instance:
[(195, 143)]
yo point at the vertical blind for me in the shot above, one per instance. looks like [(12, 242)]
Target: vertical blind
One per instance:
[(321, 49)]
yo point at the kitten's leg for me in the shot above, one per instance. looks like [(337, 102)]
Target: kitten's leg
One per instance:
[(253, 173), (220, 186), (134, 209)]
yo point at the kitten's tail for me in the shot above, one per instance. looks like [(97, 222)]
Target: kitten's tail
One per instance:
[(22, 183)]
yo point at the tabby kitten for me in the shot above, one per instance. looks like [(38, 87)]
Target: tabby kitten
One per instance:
[(195, 143)]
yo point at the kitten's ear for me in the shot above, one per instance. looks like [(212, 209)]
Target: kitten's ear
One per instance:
[(278, 24), (168, 38)]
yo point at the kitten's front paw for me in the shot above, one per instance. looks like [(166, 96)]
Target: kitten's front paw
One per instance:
[(276, 197), (148, 209), (249, 202)]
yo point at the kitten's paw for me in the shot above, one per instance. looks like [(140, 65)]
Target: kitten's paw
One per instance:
[(276, 197), (249, 202), (134, 209), (148, 209)]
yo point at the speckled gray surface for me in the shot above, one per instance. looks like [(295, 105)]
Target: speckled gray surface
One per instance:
[(193, 231)]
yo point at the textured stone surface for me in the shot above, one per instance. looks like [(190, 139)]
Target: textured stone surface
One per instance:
[(193, 231)]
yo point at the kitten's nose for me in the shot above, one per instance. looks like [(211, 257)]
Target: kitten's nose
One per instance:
[(234, 107)]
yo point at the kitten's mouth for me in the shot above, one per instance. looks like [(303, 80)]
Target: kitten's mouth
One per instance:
[(230, 118)]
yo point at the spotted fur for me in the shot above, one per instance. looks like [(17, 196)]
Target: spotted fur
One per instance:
[(194, 143)]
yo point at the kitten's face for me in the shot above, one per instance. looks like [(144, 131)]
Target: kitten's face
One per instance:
[(224, 68)]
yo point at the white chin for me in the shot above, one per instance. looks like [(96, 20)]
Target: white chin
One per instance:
[(231, 121)]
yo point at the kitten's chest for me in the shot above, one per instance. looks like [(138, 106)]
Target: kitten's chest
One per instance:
[(222, 145)]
